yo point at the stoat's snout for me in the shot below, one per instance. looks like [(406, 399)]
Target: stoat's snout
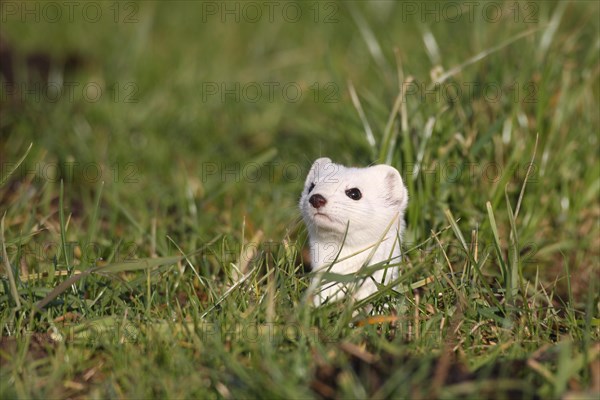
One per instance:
[(317, 201)]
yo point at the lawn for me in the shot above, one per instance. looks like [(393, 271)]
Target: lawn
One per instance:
[(152, 156)]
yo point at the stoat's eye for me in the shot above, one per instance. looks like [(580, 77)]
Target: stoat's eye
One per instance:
[(354, 194), (311, 187)]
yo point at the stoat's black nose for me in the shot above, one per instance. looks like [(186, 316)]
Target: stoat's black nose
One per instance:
[(317, 201)]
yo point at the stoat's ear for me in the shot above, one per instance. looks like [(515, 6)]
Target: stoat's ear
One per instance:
[(318, 166), (395, 193)]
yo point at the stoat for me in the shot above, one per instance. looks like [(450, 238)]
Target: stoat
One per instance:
[(355, 218)]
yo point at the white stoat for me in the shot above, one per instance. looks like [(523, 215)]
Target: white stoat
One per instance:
[(355, 218)]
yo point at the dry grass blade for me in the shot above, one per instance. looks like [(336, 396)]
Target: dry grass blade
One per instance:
[(362, 116), (550, 31), (9, 272), (480, 56), (249, 251), (522, 193), (4, 179), (369, 37), (64, 285), (227, 293), (459, 295), (141, 264)]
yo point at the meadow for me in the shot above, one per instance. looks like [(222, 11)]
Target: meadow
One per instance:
[(152, 156)]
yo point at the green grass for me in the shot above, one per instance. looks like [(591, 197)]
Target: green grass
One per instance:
[(152, 245)]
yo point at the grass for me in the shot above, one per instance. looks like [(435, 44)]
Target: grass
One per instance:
[(152, 245)]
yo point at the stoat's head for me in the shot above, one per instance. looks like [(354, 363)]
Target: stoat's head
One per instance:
[(361, 201)]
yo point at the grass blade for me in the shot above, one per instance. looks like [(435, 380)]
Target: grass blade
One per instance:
[(63, 228), (4, 179), (498, 247), (389, 137), (456, 230), (137, 265), (513, 247)]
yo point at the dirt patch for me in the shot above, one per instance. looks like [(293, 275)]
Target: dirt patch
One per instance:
[(40, 345)]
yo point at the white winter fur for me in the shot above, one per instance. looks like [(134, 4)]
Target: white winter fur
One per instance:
[(356, 233)]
